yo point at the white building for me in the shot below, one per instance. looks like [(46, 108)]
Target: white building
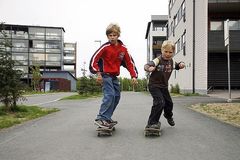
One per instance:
[(196, 27)]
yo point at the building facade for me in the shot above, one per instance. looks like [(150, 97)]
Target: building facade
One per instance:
[(58, 80), (69, 58), (196, 28), (156, 33), (40, 46)]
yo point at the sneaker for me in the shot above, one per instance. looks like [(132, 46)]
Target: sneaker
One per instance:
[(112, 122), (156, 126), (102, 123), (171, 121)]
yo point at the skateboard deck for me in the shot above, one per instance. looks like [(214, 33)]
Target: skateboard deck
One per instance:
[(152, 132), (105, 131)]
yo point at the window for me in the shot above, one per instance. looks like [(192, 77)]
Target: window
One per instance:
[(184, 11), (38, 44), (183, 39), (37, 57), (158, 27), (22, 68), (178, 45), (53, 44), (234, 25), (36, 33), (53, 57), (183, 43), (20, 43), (51, 63), (20, 56), (170, 30), (216, 25), (53, 34)]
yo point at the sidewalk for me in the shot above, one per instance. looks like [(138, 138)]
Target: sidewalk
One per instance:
[(235, 94), (71, 135)]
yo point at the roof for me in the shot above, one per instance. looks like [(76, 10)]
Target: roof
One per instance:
[(59, 72), (159, 17), (17, 25)]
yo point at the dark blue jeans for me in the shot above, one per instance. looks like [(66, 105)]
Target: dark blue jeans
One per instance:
[(161, 101), (111, 97)]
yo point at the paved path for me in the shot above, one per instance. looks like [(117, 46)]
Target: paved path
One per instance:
[(70, 134)]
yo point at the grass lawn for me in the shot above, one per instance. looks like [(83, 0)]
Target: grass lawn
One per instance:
[(25, 113), (22, 114), (85, 96), (226, 112)]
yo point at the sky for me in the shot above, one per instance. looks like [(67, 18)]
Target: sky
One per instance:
[(85, 22)]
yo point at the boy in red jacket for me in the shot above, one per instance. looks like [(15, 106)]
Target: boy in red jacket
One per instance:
[(106, 63)]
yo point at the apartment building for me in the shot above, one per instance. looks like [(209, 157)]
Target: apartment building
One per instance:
[(197, 29), (41, 46), (156, 33), (69, 58)]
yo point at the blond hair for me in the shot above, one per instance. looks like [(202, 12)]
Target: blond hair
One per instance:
[(113, 28), (168, 43)]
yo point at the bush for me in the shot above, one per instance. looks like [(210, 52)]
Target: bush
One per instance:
[(175, 89), (88, 85)]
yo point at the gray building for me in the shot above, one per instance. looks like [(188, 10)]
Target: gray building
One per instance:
[(36, 46), (41, 46), (197, 29), (69, 58)]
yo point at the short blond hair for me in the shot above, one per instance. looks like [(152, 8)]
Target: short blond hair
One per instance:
[(113, 28), (168, 43)]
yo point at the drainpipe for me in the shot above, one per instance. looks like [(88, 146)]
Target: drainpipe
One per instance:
[(193, 82)]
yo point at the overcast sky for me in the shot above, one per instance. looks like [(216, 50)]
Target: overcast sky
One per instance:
[(85, 21)]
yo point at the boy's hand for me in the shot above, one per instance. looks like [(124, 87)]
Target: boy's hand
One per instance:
[(99, 78), (181, 65), (151, 69), (134, 81)]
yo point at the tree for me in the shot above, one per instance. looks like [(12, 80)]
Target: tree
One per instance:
[(11, 88), (36, 77)]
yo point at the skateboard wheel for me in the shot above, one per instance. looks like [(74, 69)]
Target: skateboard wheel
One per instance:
[(146, 134)]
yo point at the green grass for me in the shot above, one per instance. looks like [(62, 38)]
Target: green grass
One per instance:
[(192, 94), (22, 114), (39, 92), (84, 96)]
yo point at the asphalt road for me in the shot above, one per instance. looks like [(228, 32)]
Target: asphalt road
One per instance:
[(70, 133)]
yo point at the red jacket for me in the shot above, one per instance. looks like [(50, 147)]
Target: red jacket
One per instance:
[(108, 59)]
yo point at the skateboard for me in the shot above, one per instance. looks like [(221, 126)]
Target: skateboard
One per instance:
[(152, 131), (105, 131)]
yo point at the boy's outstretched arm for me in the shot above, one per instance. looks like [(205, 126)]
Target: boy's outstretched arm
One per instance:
[(179, 65), (150, 66)]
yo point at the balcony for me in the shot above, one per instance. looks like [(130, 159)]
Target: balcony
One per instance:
[(216, 41), (156, 46), (223, 6)]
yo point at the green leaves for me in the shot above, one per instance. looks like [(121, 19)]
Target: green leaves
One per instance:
[(11, 88)]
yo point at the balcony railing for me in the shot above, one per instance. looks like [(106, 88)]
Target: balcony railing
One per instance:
[(156, 46), (222, 1)]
